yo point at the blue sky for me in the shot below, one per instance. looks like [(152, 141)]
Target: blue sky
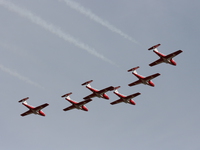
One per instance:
[(50, 47)]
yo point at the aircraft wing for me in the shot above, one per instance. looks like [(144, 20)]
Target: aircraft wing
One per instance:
[(85, 102), (90, 96), (135, 83), (116, 102), (156, 62), (41, 106), (110, 88), (152, 76), (133, 95), (27, 113), (69, 108), (170, 56)]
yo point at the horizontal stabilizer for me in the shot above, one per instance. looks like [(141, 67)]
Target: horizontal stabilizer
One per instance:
[(24, 99), (87, 82), (132, 69), (67, 94), (153, 47), (115, 88), (116, 91)]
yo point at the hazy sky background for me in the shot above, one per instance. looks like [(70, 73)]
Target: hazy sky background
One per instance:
[(50, 47)]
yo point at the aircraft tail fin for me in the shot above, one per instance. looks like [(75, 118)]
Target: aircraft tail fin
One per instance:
[(68, 98), (23, 100), (154, 47), (67, 95), (87, 83), (115, 89), (134, 69)]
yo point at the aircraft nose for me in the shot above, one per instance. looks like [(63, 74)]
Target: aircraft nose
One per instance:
[(42, 113), (105, 96), (173, 62), (151, 83), (133, 102), (85, 108)]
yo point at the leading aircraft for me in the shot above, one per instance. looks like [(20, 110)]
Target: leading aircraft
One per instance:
[(144, 80), (164, 58), (33, 110), (77, 105), (123, 98), (97, 93)]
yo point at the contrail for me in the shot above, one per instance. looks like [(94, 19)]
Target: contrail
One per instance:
[(78, 7), (17, 75), (53, 29)]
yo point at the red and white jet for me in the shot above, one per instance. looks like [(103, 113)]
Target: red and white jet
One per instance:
[(144, 80), (77, 105), (123, 98), (164, 58), (97, 93), (33, 110)]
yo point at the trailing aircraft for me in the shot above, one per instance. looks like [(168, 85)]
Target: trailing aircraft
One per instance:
[(144, 80), (33, 110), (164, 58)]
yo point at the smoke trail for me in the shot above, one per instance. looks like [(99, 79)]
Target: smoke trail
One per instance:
[(17, 75), (97, 19), (53, 29)]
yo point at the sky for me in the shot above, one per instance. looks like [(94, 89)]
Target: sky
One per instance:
[(50, 47)]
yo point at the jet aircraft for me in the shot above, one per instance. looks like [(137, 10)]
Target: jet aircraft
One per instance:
[(33, 110), (164, 58), (97, 93), (123, 98), (77, 105), (144, 80)]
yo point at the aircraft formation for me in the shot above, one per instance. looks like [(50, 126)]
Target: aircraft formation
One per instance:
[(102, 93)]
